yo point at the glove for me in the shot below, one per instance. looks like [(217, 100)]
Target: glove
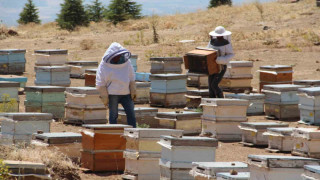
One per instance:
[(132, 87), (104, 95)]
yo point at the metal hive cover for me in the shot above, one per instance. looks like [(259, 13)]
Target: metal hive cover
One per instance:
[(282, 87), (167, 76), (142, 109), (198, 92), (238, 176), (224, 102), (250, 96), (82, 90), (12, 51), (59, 137), (151, 132), (143, 84), (262, 125), (308, 133), (28, 116), (284, 131), (311, 91), (51, 51), (313, 168), (278, 67), (218, 165), (180, 115), (189, 141), (5, 84), (82, 63), (240, 64), (307, 82), (106, 126), (44, 89)]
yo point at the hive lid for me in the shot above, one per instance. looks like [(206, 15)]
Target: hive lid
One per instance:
[(262, 125), (82, 63), (273, 161), (307, 82), (179, 59), (142, 109), (28, 116), (58, 137), (311, 91), (276, 67), (167, 76), (307, 133), (283, 131), (313, 168), (198, 92), (51, 51), (143, 84), (106, 126), (238, 176), (23, 165), (211, 168), (5, 84), (12, 51), (179, 115), (197, 74), (52, 68), (224, 102), (150, 132), (44, 89), (94, 71), (135, 56), (250, 96), (13, 78), (188, 141), (240, 64), (82, 90), (282, 87)]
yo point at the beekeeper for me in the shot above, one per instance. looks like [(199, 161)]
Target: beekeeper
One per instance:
[(220, 39), (115, 81)]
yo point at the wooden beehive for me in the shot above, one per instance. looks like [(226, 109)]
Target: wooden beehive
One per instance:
[(252, 132), (239, 69), (189, 122), (52, 75), (142, 93), (88, 115), (12, 61), (144, 115), (78, 67), (51, 57), (256, 102), (164, 65), (309, 105), (197, 80), (83, 97), (307, 142), (279, 139), (278, 167), (133, 60), (201, 61), (168, 100), (13, 78), (230, 83), (311, 172), (307, 83), (27, 170), (194, 97), (90, 77), (235, 176), (275, 74), (168, 83), (142, 77), (45, 99)]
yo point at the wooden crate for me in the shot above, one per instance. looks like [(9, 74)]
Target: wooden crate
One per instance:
[(142, 93), (170, 100), (256, 102), (307, 142), (78, 67), (90, 77), (201, 61), (133, 60), (279, 139), (163, 65), (282, 111), (168, 83), (239, 69), (144, 115), (307, 83), (278, 167), (142, 76), (83, 97), (13, 78), (76, 115), (51, 57), (235, 83), (271, 76), (52, 75), (311, 171), (197, 80), (9, 90), (27, 170), (281, 93)]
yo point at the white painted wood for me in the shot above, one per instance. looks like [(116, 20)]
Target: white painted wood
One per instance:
[(52, 59), (197, 80), (309, 114), (290, 97), (238, 72), (224, 112), (256, 101), (280, 139), (73, 113), (307, 142), (307, 100), (168, 172), (229, 176), (143, 94), (84, 100), (311, 172), (11, 139), (80, 70), (12, 92)]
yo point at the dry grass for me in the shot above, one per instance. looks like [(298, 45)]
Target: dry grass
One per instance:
[(86, 44)]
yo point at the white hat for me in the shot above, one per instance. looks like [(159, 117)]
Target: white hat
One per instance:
[(220, 31)]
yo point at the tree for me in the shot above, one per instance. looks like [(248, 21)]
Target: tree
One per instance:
[(29, 14), (133, 9), (72, 14), (95, 11), (216, 3), (121, 10)]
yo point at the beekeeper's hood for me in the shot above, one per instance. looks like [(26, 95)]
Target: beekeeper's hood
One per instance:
[(114, 50)]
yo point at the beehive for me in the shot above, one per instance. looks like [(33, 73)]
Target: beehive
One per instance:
[(103, 146), (13, 78), (256, 102), (27, 170), (197, 80), (239, 69), (178, 153), (311, 172), (142, 77), (241, 83), (307, 83), (189, 122), (51, 57), (9, 99), (209, 170), (279, 139), (142, 93), (163, 65), (12, 61), (52, 75), (309, 105), (194, 97), (201, 61), (144, 115), (45, 99), (307, 142), (90, 77), (236, 176), (78, 67), (278, 167), (133, 60), (83, 97), (252, 132)]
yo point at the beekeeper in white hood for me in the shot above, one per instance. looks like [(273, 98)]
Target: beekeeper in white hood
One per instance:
[(115, 81)]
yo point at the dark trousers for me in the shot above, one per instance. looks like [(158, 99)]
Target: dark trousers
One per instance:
[(127, 104), (214, 80)]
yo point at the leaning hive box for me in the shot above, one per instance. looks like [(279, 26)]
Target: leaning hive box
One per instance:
[(278, 167), (52, 75), (307, 142), (144, 115), (168, 83), (78, 67), (252, 132), (142, 77), (256, 102), (201, 61), (239, 69), (12, 61), (236, 176), (133, 60), (163, 65), (142, 92), (279, 139), (51, 57), (311, 172), (307, 83), (197, 80), (194, 97), (90, 77), (13, 78), (309, 105), (189, 122), (209, 170), (27, 170)]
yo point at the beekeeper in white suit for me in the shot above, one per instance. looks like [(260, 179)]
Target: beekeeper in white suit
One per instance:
[(115, 81)]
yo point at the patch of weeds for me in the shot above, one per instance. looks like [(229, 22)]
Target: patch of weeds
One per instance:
[(311, 37), (293, 47), (86, 44), (9, 104), (4, 171), (143, 125)]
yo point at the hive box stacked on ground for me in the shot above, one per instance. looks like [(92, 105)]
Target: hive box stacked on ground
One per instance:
[(13, 78), (84, 106), (197, 80), (78, 67), (19, 127), (90, 77), (9, 98), (168, 90), (142, 92), (209, 170), (51, 57), (103, 146), (309, 105), (164, 65), (281, 101), (252, 132), (237, 77), (189, 122), (256, 102), (133, 60), (233, 176), (307, 83), (194, 98), (143, 152), (311, 172), (27, 170), (144, 115), (275, 74), (68, 143), (307, 142), (278, 167), (178, 153), (142, 76), (221, 118), (12, 61), (52, 75), (201, 61), (279, 139), (45, 99)]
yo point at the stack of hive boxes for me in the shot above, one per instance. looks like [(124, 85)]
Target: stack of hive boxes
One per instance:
[(282, 101), (165, 65), (20, 79), (45, 99), (84, 106), (221, 118), (142, 152), (168, 90), (194, 98), (279, 139), (9, 98), (144, 115), (90, 77), (103, 146), (178, 153), (307, 142), (256, 102), (12, 61), (78, 67), (309, 105), (275, 74)]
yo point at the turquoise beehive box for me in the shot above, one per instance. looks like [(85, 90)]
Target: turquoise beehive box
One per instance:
[(168, 83), (141, 76), (52, 75), (12, 61), (133, 60), (20, 79)]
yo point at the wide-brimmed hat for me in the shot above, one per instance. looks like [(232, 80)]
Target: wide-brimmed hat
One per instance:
[(220, 31)]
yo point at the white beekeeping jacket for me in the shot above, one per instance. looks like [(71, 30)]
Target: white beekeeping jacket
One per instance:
[(226, 52)]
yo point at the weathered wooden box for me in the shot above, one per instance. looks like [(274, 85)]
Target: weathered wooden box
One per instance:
[(52, 75), (275, 73), (239, 69), (279, 139), (13, 78), (144, 115), (133, 60), (168, 83), (252, 132), (278, 167), (236, 176), (142, 93), (163, 65), (197, 80), (27, 170), (78, 115), (282, 111), (194, 97), (256, 102), (307, 142), (189, 122), (311, 172), (307, 83), (309, 105), (78, 67), (282, 93), (201, 61), (51, 57), (12, 61), (9, 91), (83, 97), (142, 77), (235, 83), (90, 77), (209, 170), (169, 100)]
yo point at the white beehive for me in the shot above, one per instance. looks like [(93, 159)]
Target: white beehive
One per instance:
[(163, 65), (51, 57), (272, 167), (78, 67), (279, 139), (239, 69), (252, 132), (256, 102), (235, 176), (307, 142), (309, 105), (83, 97), (311, 172)]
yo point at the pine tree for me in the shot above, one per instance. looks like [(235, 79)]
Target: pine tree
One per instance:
[(133, 9), (121, 10), (29, 14), (216, 3), (72, 14), (95, 11)]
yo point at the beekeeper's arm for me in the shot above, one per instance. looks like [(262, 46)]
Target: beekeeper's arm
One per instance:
[(132, 85), (101, 84), (226, 54)]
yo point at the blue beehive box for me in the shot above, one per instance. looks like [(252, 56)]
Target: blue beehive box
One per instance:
[(168, 83), (12, 61), (53, 75), (20, 79), (133, 60), (141, 76)]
